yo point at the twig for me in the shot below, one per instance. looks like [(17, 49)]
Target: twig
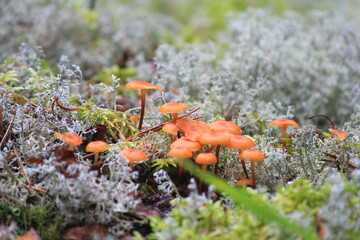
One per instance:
[(64, 108), (22, 170), (1, 122), (324, 116), (8, 131)]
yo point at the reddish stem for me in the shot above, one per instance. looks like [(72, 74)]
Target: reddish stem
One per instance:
[(204, 167), (142, 111), (243, 165)]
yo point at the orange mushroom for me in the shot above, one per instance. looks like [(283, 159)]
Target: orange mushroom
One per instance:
[(204, 159), (170, 127), (340, 135), (143, 86), (241, 142), (193, 129), (97, 147), (134, 118), (245, 181), (252, 155), (174, 108), (193, 146), (133, 155), (225, 126), (70, 138), (283, 123), (181, 153)]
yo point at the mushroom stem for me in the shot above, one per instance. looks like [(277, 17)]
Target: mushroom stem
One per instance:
[(96, 159), (131, 164), (180, 170), (142, 111), (253, 173), (284, 135), (175, 116), (217, 157), (204, 167), (243, 165)]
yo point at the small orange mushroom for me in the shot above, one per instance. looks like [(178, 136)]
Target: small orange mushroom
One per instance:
[(340, 135), (70, 138), (134, 118), (97, 147), (143, 86), (181, 153), (193, 129), (253, 155), (241, 142), (194, 146), (170, 127), (204, 159), (174, 108), (225, 126), (283, 123), (133, 155), (246, 182)]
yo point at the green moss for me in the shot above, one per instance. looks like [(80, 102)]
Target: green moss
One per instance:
[(43, 219)]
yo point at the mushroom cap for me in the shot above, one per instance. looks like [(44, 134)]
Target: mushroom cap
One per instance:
[(180, 152), (192, 128), (206, 158), (137, 84), (240, 142), (341, 135), (252, 155), (187, 143), (171, 127), (133, 155), (225, 126), (134, 118), (173, 107), (284, 123), (214, 138), (71, 138), (97, 146), (245, 181)]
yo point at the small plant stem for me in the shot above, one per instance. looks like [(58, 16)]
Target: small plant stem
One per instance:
[(1, 122), (253, 173), (204, 167), (142, 110), (303, 167), (8, 132), (243, 165), (22, 170)]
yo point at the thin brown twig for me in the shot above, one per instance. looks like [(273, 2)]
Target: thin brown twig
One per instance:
[(1, 122), (8, 131), (64, 108), (22, 169), (324, 116)]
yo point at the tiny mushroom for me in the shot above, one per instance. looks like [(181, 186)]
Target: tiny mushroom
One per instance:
[(70, 138), (245, 182), (181, 153), (283, 123), (134, 118), (194, 146), (133, 155), (170, 127), (252, 155), (340, 135), (143, 86), (97, 147), (204, 159), (241, 142), (174, 108)]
